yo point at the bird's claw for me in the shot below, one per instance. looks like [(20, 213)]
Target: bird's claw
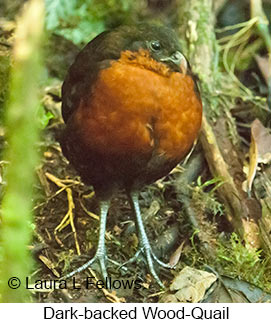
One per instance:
[(98, 258), (150, 256), (101, 259)]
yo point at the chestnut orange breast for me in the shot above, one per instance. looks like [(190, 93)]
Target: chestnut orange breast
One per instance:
[(139, 111)]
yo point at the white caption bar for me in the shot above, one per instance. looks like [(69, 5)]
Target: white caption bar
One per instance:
[(173, 312)]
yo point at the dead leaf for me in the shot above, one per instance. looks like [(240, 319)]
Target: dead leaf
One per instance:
[(191, 284), (264, 64), (175, 257), (259, 152), (233, 290)]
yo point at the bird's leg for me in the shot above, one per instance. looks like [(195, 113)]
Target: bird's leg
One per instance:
[(145, 246), (100, 255)]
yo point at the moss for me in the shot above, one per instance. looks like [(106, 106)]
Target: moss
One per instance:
[(4, 76), (239, 260)]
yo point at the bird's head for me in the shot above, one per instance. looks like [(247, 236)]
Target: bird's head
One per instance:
[(161, 43)]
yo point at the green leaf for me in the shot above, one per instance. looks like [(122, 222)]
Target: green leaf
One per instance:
[(57, 10), (44, 117)]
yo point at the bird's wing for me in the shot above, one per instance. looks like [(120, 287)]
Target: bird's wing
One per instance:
[(82, 74)]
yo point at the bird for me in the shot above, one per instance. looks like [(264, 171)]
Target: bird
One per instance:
[(132, 111)]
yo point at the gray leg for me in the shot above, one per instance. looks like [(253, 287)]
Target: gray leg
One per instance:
[(100, 255), (145, 246)]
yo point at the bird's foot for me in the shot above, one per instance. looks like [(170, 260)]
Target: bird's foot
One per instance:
[(150, 258), (99, 258)]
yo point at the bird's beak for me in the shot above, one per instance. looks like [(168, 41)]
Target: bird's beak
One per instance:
[(177, 59)]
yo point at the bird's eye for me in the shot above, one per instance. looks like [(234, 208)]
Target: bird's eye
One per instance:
[(155, 45)]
